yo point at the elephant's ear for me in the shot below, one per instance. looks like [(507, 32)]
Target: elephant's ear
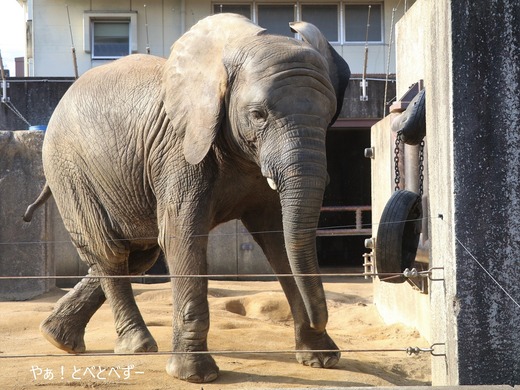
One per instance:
[(339, 71), (195, 80)]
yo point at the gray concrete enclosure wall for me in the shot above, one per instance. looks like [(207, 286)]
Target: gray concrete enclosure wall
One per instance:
[(21, 250)]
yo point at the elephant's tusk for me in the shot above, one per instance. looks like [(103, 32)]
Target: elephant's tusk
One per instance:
[(272, 184)]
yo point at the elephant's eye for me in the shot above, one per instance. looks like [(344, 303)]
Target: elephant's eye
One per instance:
[(258, 117)]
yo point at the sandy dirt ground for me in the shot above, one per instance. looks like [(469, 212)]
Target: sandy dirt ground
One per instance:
[(247, 316)]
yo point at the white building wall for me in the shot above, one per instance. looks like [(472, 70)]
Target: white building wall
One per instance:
[(167, 20)]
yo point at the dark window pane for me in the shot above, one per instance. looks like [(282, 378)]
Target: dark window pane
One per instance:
[(111, 39), (356, 17), (325, 17), (241, 9), (276, 18)]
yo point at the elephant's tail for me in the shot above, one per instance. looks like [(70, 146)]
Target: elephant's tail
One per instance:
[(44, 195)]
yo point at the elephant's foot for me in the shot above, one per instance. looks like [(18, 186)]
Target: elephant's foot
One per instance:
[(135, 340), (193, 368), (62, 334), (318, 359)]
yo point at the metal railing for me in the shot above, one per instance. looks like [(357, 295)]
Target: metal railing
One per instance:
[(355, 230)]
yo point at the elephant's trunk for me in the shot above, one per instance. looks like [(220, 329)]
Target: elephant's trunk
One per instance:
[(301, 198)]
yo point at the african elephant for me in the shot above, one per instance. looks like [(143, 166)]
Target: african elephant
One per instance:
[(146, 154)]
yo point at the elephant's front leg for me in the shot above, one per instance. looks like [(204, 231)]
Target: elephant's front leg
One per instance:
[(185, 244), (269, 220)]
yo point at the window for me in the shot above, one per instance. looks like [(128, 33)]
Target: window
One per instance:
[(109, 35), (110, 39), (356, 20), (241, 9), (276, 18), (325, 17), (341, 22)]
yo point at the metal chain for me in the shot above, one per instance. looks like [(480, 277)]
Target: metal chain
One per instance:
[(421, 168), (397, 179), (396, 160)]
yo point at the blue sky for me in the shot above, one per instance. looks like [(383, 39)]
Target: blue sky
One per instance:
[(12, 32)]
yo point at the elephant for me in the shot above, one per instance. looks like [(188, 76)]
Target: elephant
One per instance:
[(147, 154)]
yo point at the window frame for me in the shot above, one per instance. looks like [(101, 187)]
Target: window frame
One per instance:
[(341, 16), (381, 21), (338, 5), (91, 17)]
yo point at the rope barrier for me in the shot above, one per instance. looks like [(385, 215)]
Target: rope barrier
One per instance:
[(408, 350), (407, 273), (488, 273), (323, 228), (474, 258)]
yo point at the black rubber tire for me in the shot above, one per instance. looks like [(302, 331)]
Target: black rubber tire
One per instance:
[(412, 122), (398, 234)]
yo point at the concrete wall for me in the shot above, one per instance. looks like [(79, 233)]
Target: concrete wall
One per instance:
[(41, 247), (22, 248), (36, 99), (49, 39), (404, 302)]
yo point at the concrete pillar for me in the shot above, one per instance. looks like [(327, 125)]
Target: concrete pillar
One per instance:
[(472, 52)]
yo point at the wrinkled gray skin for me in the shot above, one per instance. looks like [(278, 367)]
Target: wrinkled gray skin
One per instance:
[(146, 154)]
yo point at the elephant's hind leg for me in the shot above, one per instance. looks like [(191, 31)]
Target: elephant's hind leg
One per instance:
[(65, 327), (133, 335)]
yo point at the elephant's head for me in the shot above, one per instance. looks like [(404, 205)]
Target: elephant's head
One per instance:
[(274, 97)]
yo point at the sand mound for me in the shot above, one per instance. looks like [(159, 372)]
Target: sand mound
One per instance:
[(268, 306)]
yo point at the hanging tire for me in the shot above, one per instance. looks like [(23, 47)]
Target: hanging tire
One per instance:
[(412, 122), (398, 235)]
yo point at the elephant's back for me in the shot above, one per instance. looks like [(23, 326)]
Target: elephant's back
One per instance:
[(106, 101)]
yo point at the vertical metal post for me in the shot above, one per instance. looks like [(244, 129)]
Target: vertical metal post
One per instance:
[(5, 99), (364, 96)]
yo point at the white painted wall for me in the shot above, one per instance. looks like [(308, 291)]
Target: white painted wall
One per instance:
[(167, 20)]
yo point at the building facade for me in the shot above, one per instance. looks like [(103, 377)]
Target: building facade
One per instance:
[(101, 30)]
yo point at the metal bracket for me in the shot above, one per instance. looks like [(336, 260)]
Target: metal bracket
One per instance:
[(363, 84), (5, 98), (417, 350), (432, 349), (430, 271)]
